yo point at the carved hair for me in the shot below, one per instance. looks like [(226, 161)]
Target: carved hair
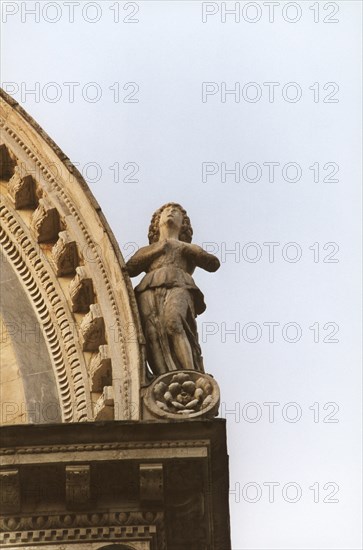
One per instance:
[(186, 231)]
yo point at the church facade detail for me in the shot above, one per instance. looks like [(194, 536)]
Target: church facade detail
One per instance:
[(91, 455)]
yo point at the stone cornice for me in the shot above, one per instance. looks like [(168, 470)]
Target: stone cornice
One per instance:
[(171, 481)]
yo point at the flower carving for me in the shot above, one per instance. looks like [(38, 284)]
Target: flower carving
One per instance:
[(183, 395)]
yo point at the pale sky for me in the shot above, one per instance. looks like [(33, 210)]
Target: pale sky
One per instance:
[(120, 90)]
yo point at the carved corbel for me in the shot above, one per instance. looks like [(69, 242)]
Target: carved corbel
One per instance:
[(151, 483), (81, 291), (7, 163), (78, 486), (45, 222), (104, 406), (100, 370), (22, 190), (93, 329), (65, 255), (9, 491)]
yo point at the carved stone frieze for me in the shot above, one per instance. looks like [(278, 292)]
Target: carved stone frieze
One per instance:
[(122, 526), (46, 222), (76, 519), (93, 329), (113, 533), (100, 370), (65, 255), (81, 291)]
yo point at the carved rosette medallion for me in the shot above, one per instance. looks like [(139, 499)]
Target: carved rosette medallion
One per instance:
[(183, 394)]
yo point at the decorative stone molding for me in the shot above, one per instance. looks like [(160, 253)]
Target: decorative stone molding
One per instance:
[(102, 544), (65, 255), (78, 492), (115, 533), (93, 329), (81, 291), (151, 483), (45, 222), (48, 301), (179, 394), (9, 491), (173, 445), (22, 190), (65, 202), (76, 519), (100, 370)]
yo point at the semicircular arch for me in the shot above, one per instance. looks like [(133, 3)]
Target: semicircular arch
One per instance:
[(69, 275)]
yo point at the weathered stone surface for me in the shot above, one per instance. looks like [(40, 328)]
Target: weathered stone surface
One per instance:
[(9, 491), (104, 406), (100, 369), (165, 484), (7, 163), (22, 190), (151, 483), (46, 222), (93, 329), (52, 229), (81, 291), (12, 396), (78, 492), (155, 479), (35, 397), (65, 255), (167, 297), (187, 394)]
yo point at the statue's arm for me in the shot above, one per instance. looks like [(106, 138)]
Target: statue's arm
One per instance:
[(204, 259), (140, 261)]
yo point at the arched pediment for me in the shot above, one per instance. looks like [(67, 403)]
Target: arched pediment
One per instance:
[(70, 326)]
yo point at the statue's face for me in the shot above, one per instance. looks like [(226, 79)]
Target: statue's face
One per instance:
[(171, 216)]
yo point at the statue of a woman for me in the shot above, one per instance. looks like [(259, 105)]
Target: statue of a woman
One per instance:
[(167, 297)]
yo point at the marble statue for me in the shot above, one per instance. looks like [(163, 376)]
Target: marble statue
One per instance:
[(168, 298)]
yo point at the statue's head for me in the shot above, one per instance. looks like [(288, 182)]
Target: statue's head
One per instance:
[(170, 213)]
